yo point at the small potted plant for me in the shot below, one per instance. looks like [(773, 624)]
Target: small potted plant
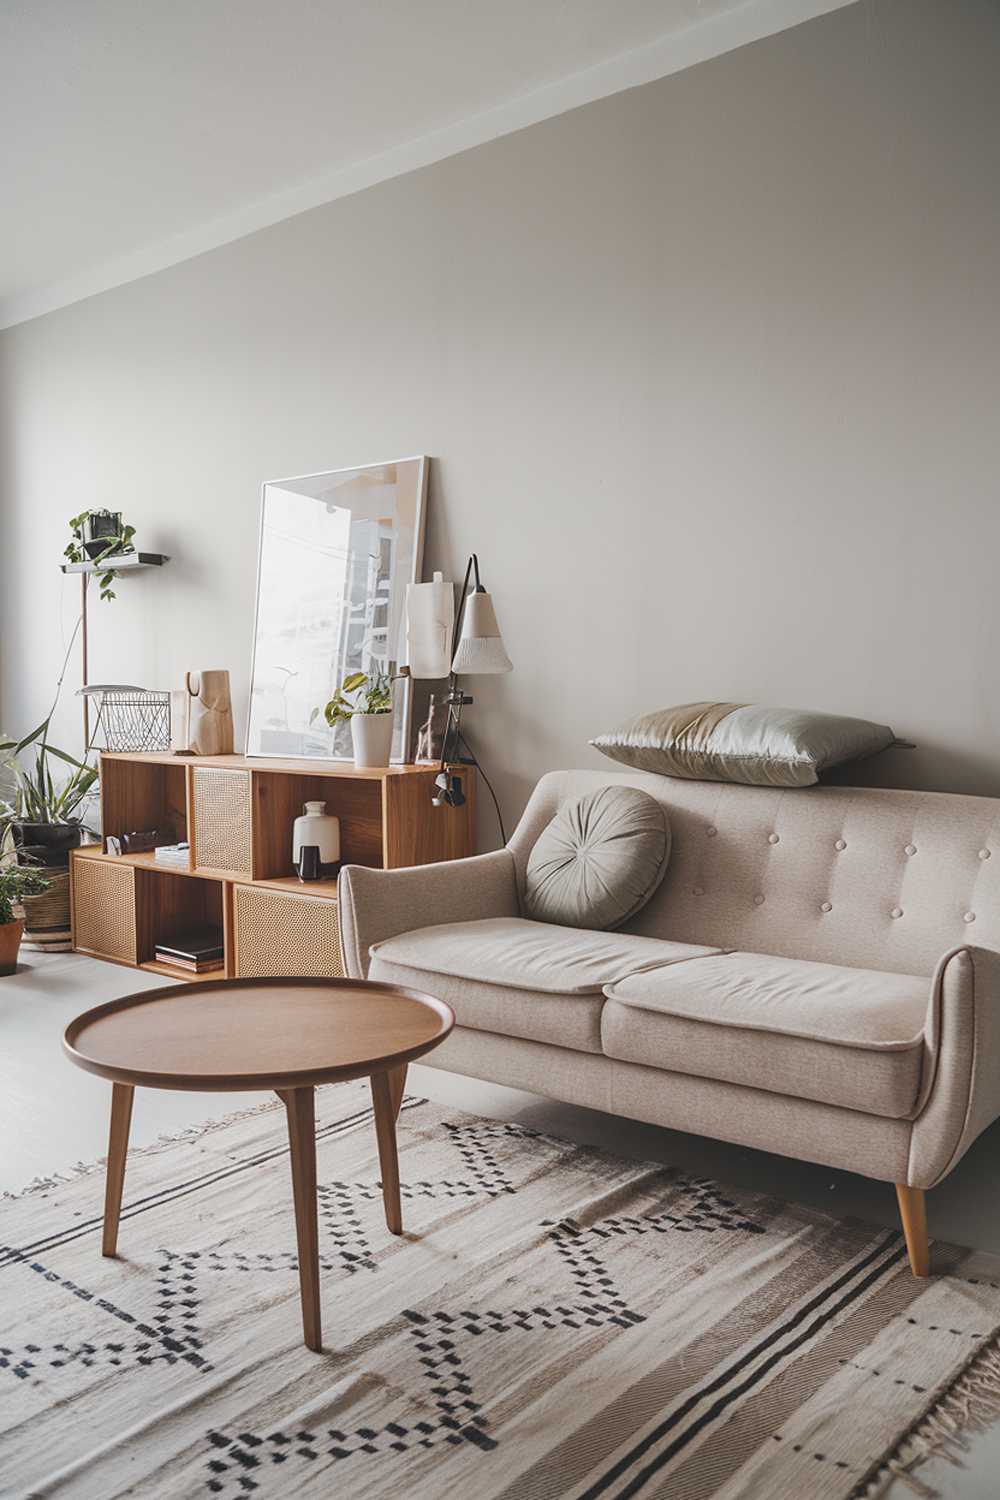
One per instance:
[(365, 700), (99, 536), (16, 882)]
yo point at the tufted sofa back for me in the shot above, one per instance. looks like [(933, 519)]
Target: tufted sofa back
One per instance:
[(861, 876)]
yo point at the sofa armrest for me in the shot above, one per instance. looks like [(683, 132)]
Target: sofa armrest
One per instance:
[(378, 904), (963, 1059)]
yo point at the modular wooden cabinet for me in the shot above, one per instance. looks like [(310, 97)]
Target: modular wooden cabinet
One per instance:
[(237, 816)]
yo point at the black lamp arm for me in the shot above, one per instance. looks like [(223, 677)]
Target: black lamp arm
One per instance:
[(473, 565), (454, 697)]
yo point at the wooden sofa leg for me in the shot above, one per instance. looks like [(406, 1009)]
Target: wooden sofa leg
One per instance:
[(913, 1212)]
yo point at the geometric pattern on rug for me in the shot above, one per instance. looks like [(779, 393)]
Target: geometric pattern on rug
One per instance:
[(171, 1331), (556, 1322), (474, 1142), (593, 1300)]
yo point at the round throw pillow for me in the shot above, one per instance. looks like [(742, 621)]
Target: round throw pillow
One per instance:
[(599, 860)]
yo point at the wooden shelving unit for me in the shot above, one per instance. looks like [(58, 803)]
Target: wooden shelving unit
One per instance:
[(237, 816)]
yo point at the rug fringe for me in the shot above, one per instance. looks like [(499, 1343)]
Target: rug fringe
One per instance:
[(970, 1404), (162, 1143)]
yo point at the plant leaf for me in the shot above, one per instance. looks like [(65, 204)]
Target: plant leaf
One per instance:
[(31, 738), (69, 759)]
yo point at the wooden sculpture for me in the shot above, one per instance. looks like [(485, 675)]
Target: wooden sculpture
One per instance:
[(210, 713)]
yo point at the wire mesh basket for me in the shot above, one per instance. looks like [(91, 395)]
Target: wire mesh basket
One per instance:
[(130, 718)]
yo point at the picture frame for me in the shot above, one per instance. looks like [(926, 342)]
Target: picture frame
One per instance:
[(336, 551)]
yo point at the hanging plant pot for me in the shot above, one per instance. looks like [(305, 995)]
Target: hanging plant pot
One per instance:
[(99, 528)]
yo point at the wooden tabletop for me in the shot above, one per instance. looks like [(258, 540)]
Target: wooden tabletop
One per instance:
[(257, 1033)]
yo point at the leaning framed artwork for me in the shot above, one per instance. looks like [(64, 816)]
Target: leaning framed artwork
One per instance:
[(336, 553)]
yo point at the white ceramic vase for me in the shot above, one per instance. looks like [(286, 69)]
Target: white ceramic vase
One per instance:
[(317, 827), (372, 738)]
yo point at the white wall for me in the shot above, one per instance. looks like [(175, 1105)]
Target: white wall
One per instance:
[(709, 371)]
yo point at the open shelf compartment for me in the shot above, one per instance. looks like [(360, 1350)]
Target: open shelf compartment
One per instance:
[(169, 905), (279, 798)]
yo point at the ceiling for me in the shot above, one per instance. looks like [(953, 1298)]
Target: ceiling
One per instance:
[(136, 133)]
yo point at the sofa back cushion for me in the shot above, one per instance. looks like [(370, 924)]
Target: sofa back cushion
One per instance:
[(875, 878)]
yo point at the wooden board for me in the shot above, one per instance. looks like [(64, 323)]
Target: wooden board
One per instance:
[(342, 768)]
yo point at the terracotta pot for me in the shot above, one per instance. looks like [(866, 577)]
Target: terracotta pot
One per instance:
[(10, 942)]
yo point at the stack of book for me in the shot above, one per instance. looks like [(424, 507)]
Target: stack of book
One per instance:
[(200, 952), (173, 854)]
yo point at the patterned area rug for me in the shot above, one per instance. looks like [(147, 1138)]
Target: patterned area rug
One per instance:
[(556, 1321)]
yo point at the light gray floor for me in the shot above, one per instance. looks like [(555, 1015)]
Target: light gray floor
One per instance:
[(53, 1115)]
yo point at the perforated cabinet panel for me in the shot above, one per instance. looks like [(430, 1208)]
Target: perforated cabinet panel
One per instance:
[(104, 908), (222, 837), (286, 935)]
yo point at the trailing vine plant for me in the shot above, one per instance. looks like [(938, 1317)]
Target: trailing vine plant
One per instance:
[(116, 542)]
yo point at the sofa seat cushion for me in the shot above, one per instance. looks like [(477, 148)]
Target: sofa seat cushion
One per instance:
[(852, 1037), (523, 978)]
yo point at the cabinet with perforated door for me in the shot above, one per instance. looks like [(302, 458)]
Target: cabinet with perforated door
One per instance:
[(284, 933)]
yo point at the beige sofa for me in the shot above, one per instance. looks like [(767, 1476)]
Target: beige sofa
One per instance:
[(817, 975)]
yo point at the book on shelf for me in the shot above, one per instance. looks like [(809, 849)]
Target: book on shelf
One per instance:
[(192, 950), (172, 854), (206, 966)]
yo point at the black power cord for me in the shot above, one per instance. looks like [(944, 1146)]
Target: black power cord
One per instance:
[(489, 786)]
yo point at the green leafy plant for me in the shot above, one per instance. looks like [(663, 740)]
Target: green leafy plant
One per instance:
[(16, 882), (37, 797), (116, 543), (359, 693)]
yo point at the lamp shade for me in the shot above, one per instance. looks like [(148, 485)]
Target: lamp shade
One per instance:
[(480, 647)]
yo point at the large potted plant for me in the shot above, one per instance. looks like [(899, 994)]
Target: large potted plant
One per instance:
[(40, 822), (364, 699), (16, 882), (42, 814)]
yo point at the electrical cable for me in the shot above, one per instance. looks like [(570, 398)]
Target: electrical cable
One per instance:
[(489, 786)]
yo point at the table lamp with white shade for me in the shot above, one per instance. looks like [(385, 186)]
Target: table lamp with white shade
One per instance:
[(477, 649)]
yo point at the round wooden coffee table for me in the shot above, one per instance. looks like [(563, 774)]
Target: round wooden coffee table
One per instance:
[(282, 1034)]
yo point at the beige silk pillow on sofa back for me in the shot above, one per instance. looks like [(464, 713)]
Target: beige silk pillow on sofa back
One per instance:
[(742, 742)]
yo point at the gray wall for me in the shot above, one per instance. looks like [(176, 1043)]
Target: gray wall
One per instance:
[(709, 371)]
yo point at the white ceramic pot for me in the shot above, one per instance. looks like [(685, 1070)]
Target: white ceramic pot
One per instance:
[(319, 828), (372, 737)]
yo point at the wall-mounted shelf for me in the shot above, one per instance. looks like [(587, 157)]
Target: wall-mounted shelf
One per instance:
[(128, 562), (236, 815)]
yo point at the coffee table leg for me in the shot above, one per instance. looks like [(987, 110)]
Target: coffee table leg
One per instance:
[(386, 1094), (397, 1083), (301, 1109), (121, 1118)]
